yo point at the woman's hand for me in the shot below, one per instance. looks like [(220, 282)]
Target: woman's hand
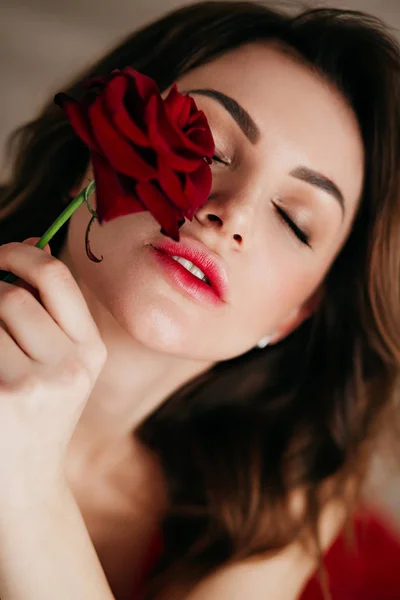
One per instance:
[(51, 354)]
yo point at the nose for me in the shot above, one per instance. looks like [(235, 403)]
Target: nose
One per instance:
[(232, 217)]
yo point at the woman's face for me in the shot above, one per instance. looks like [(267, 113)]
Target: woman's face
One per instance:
[(282, 203)]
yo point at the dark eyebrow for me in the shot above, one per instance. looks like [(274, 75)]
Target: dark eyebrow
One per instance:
[(253, 134), (241, 116), (321, 181)]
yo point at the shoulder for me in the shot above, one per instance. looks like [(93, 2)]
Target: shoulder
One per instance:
[(278, 577)]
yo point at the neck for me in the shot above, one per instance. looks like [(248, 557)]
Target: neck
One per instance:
[(134, 381)]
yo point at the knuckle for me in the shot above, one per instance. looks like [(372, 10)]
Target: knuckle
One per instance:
[(74, 371), (53, 269)]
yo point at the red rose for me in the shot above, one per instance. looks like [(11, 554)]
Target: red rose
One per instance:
[(147, 153)]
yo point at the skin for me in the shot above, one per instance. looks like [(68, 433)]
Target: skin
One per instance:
[(156, 337), (275, 281)]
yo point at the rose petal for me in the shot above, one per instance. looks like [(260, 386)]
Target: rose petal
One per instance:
[(172, 186), (197, 188), (145, 85), (200, 134), (155, 121), (112, 199), (101, 80), (183, 112), (114, 98), (162, 210), (117, 150), (78, 119), (166, 140), (177, 107), (147, 154)]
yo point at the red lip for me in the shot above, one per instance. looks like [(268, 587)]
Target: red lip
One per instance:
[(207, 261)]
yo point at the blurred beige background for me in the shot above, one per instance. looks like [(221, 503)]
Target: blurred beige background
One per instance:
[(44, 42)]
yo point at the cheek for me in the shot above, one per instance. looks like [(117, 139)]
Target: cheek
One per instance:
[(126, 289), (273, 291), (147, 317), (115, 240), (148, 310)]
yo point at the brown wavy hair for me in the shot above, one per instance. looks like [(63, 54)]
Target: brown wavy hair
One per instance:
[(235, 442)]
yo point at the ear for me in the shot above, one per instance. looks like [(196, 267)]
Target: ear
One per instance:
[(299, 315)]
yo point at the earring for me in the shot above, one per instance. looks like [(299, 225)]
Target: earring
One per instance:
[(264, 342)]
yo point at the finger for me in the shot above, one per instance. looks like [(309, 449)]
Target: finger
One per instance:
[(14, 363), (31, 326), (59, 292), (32, 241)]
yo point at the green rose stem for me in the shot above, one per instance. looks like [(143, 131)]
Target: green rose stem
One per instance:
[(82, 197)]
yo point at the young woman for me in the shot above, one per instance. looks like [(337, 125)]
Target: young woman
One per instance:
[(235, 434)]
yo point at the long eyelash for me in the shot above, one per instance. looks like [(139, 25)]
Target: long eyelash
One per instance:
[(300, 234), (220, 160)]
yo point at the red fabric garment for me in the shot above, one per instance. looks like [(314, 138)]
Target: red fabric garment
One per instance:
[(370, 571)]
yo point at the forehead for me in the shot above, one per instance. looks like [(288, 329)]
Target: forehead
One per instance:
[(303, 118)]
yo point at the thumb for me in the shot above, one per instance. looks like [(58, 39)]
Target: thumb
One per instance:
[(32, 241)]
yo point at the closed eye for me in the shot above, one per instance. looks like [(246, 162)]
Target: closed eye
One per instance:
[(299, 233), (220, 160)]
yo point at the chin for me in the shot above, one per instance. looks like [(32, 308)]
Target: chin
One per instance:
[(155, 321), (163, 330)]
